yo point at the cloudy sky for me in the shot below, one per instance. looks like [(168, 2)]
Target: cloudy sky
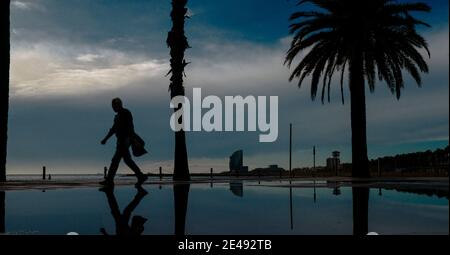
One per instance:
[(69, 58)]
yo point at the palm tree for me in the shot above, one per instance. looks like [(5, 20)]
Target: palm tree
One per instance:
[(178, 44), (4, 84), (373, 38)]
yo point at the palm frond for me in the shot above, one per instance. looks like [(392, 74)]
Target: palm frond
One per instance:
[(384, 32)]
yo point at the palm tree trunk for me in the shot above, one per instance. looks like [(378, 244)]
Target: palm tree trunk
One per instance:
[(360, 162), (4, 84), (178, 44)]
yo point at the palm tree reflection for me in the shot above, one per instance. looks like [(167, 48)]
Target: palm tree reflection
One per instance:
[(2, 212), (181, 197), (360, 210)]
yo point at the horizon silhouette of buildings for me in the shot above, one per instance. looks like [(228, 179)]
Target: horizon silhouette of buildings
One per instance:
[(237, 163)]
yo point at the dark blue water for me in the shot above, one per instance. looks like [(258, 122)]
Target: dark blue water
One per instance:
[(227, 209)]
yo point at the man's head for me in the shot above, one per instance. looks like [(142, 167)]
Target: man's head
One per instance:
[(117, 104)]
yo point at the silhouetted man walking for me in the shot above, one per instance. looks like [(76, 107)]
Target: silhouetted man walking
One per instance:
[(123, 128)]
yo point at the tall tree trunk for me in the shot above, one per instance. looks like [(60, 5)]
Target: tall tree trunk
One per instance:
[(360, 162), (4, 83), (178, 44)]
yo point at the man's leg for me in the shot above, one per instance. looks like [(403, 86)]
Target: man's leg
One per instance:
[(131, 164), (115, 161)]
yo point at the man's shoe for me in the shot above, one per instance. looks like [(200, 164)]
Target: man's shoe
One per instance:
[(141, 180)]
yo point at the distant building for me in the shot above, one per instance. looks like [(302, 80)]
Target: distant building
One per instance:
[(271, 170), (334, 163), (336, 154), (237, 163)]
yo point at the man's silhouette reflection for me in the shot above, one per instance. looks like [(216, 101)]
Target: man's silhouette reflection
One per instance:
[(360, 211), (122, 219), (181, 197)]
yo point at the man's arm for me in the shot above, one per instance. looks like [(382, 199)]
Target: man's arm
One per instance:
[(111, 132)]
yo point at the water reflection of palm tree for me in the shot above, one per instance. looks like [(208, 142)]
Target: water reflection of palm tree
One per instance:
[(181, 198), (360, 211), (2, 212), (122, 219)]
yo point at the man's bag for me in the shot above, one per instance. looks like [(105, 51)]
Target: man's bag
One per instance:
[(138, 146)]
